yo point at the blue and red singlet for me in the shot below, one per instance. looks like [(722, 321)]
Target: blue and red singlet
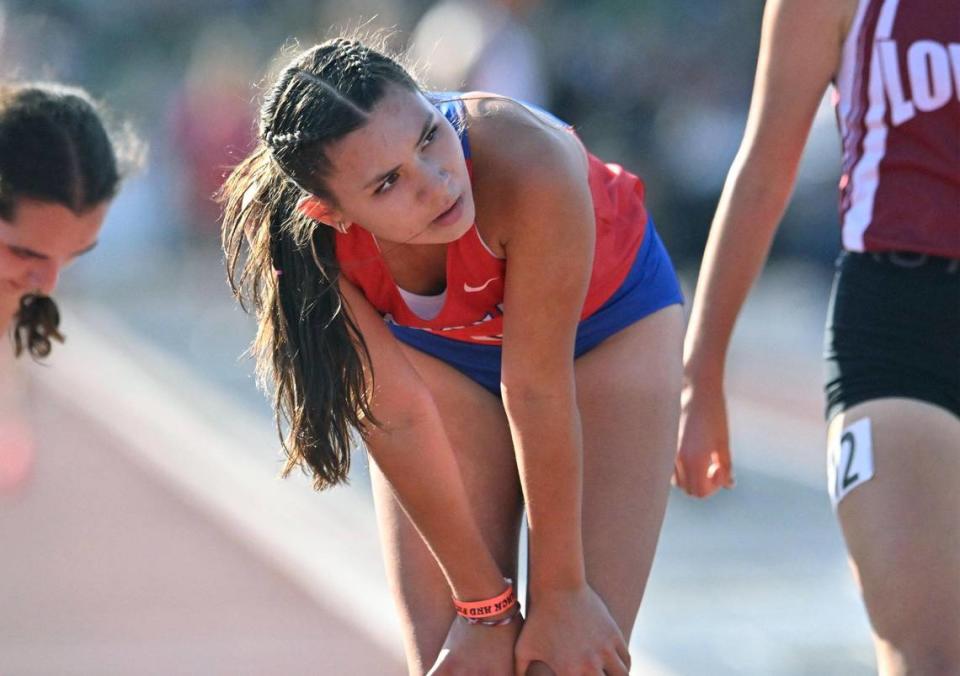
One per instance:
[(472, 308), (632, 276)]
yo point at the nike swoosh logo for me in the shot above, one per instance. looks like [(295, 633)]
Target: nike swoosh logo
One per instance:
[(475, 289)]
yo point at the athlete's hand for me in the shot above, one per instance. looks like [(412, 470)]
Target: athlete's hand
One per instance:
[(703, 464), (572, 633), (477, 650)]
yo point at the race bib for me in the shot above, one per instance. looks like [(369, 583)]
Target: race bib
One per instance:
[(849, 460)]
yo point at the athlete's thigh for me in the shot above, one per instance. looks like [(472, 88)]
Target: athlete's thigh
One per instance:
[(477, 429), (628, 391), (902, 526)]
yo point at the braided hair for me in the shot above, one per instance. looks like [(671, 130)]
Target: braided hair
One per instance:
[(282, 265)]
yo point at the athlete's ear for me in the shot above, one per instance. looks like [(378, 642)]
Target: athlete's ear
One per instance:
[(322, 212)]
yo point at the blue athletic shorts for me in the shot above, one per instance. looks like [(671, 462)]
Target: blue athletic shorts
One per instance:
[(650, 285)]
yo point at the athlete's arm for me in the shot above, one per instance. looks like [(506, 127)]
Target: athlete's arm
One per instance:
[(800, 49), (414, 454), (544, 197)]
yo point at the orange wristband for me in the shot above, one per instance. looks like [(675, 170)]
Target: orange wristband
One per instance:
[(506, 619), (480, 610)]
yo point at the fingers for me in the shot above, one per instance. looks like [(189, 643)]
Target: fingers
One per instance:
[(614, 666), (690, 464), (620, 663), (616, 657), (692, 474), (535, 668), (616, 663), (720, 472), (679, 478), (726, 466), (701, 474), (617, 668), (720, 476), (623, 652), (700, 480), (703, 451)]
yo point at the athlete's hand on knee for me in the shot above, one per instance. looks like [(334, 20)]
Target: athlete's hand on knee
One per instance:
[(703, 463), (477, 650), (572, 632)]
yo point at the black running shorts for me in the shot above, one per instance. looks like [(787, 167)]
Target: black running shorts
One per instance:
[(893, 330)]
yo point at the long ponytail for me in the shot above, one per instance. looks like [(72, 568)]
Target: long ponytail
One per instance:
[(308, 351), (282, 265)]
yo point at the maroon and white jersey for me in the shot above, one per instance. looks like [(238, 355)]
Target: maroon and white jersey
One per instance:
[(898, 105)]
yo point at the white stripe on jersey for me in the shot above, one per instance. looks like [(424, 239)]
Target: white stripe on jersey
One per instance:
[(848, 78), (865, 176)]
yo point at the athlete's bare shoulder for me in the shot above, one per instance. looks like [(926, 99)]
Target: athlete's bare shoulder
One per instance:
[(512, 139), (520, 158)]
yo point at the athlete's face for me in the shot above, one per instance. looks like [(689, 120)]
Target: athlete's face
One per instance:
[(36, 244), (402, 176)]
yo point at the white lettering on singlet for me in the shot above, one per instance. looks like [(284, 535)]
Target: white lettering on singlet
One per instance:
[(933, 71)]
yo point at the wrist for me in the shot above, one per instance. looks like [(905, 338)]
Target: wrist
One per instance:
[(508, 616), (470, 569), (485, 585), (573, 578), (703, 372), (493, 611), (704, 354), (556, 555)]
